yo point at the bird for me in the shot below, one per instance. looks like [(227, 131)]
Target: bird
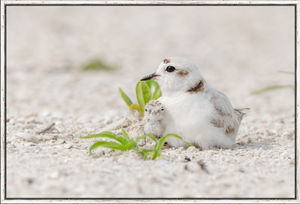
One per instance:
[(153, 115), (193, 109)]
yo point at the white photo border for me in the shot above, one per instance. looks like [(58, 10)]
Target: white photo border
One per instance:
[(3, 93)]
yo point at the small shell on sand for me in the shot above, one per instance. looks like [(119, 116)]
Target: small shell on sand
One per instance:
[(28, 137), (68, 146)]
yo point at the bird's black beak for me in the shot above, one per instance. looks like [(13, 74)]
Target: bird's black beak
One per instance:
[(149, 77)]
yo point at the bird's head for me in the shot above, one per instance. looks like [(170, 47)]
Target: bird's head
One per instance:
[(175, 74), (154, 110)]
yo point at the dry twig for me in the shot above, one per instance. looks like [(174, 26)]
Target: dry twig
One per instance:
[(47, 128)]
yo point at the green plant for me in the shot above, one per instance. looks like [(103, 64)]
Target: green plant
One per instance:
[(145, 91), (270, 88), (98, 65), (125, 143)]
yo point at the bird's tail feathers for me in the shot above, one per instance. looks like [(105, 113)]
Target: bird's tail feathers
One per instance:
[(241, 112)]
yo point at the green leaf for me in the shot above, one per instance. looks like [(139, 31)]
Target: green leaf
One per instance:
[(155, 154), (136, 110), (162, 140), (146, 152), (157, 94), (113, 145), (125, 135), (108, 135), (270, 88), (130, 145), (125, 97), (286, 72), (143, 94), (144, 136), (104, 144), (155, 89)]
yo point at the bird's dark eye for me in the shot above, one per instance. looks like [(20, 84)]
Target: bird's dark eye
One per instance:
[(162, 109), (170, 69), (146, 110)]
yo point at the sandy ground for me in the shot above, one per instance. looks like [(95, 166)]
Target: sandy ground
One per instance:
[(237, 49)]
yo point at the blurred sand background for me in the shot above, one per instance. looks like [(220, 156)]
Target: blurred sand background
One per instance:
[(238, 49)]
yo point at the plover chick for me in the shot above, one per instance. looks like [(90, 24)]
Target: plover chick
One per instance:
[(196, 111), (152, 121)]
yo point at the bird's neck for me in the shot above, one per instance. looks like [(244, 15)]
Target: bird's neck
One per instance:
[(193, 86), (173, 94)]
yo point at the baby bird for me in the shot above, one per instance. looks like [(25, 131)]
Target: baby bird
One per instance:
[(151, 123)]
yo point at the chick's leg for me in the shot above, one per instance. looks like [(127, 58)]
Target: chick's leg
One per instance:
[(142, 132)]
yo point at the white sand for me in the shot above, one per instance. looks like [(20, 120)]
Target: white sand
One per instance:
[(237, 49)]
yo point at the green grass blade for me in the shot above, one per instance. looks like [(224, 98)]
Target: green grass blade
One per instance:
[(152, 137), (143, 94), (155, 89), (144, 136), (270, 88), (150, 152), (102, 134), (125, 135), (146, 151), (140, 138), (155, 154), (286, 72), (162, 140), (130, 145), (112, 145), (125, 97), (107, 134)]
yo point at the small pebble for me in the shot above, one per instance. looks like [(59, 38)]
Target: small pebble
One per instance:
[(45, 113), (11, 122), (29, 126), (68, 146), (192, 150), (21, 120), (33, 120), (107, 121), (54, 175), (28, 137), (58, 123)]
